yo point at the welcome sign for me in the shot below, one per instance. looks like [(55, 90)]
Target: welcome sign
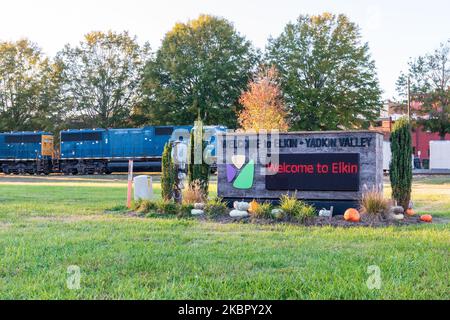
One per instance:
[(315, 172), (323, 168)]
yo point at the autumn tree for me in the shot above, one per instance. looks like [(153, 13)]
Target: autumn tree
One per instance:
[(327, 75), (101, 79), (263, 103), (201, 68), (29, 86), (430, 86)]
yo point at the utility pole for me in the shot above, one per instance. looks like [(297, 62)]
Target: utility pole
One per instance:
[(409, 99)]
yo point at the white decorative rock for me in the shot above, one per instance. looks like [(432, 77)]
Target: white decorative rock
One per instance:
[(199, 206), (238, 214), (396, 217), (397, 210), (277, 213), (197, 212), (241, 206), (326, 213)]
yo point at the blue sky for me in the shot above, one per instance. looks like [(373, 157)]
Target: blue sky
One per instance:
[(394, 29)]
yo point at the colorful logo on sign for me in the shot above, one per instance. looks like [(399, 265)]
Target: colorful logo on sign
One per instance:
[(243, 175)]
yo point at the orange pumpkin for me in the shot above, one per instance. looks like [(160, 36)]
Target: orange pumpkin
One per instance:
[(410, 212), (352, 215), (253, 206), (426, 218)]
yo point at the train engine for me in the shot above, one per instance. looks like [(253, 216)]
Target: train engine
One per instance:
[(99, 151), (26, 152)]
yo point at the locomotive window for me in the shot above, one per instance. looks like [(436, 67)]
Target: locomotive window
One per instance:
[(81, 136), (26, 138), (163, 131)]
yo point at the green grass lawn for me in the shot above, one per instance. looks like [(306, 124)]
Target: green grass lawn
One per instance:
[(47, 226)]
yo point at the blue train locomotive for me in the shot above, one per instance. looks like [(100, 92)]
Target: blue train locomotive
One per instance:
[(92, 151), (26, 152)]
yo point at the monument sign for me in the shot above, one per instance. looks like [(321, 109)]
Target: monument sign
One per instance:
[(330, 168)]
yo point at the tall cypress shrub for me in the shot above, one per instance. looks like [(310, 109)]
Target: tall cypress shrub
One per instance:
[(400, 169), (167, 173), (199, 172)]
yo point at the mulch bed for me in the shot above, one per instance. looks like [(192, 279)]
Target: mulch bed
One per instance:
[(336, 221)]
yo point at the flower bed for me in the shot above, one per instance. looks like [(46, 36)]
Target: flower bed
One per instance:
[(291, 211)]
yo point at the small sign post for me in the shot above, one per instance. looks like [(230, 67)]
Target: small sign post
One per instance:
[(130, 182)]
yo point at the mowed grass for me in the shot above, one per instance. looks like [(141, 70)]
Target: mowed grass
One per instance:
[(46, 227), (431, 195)]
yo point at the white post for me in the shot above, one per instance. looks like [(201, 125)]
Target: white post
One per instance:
[(130, 182)]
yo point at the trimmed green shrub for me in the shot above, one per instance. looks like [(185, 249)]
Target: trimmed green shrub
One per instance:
[(307, 211), (147, 206), (295, 209), (167, 207), (264, 211), (198, 173), (288, 204), (184, 210), (400, 169), (215, 207), (167, 173), (136, 205)]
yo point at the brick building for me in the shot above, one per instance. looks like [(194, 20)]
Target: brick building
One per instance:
[(420, 137)]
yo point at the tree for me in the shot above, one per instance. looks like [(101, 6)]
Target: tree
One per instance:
[(327, 75), (400, 169), (167, 173), (430, 86), (201, 66), (29, 85), (263, 103), (101, 79), (198, 172)]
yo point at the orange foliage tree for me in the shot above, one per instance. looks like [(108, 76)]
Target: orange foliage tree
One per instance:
[(263, 103)]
